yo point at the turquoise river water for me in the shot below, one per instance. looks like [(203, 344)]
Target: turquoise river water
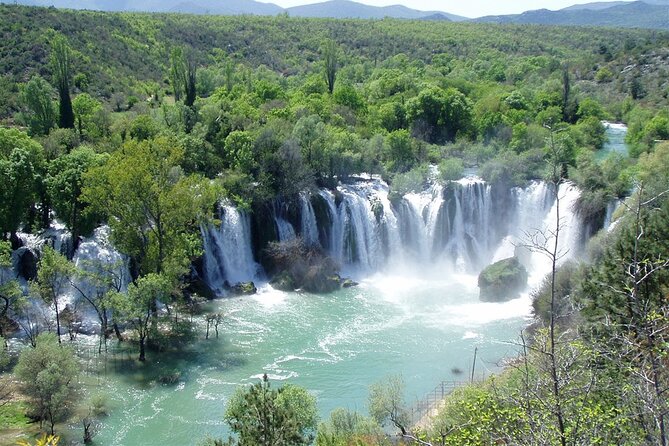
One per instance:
[(334, 345)]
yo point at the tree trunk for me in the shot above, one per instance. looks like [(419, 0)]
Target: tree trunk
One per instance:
[(142, 348), (117, 332), (55, 304)]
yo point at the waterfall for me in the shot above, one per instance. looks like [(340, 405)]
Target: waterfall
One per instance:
[(536, 222), (460, 225), (419, 216), (228, 256), (103, 269), (284, 229), (364, 229), (334, 247), (308, 226), (96, 255), (611, 209)]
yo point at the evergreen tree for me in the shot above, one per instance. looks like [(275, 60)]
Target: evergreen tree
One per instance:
[(331, 60), (60, 64)]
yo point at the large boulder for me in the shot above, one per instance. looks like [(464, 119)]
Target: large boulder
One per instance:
[(297, 266), (243, 289), (503, 280), (283, 281), (348, 283), (200, 288), (27, 263), (319, 281)]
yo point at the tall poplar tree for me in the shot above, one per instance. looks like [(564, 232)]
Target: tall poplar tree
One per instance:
[(60, 64)]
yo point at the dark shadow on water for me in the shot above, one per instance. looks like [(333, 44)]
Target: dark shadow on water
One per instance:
[(168, 368)]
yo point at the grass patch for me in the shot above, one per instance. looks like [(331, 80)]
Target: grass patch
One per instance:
[(13, 416)]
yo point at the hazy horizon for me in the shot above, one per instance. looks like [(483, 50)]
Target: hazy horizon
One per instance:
[(471, 9)]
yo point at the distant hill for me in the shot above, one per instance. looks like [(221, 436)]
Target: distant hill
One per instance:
[(594, 6), (340, 9), (630, 14), (639, 14), (229, 7), (221, 7), (331, 9), (439, 16)]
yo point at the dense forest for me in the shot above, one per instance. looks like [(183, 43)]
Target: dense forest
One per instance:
[(146, 122)]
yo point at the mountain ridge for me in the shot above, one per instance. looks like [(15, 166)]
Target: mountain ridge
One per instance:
[(652, 14), (636, 14), (350, 9)]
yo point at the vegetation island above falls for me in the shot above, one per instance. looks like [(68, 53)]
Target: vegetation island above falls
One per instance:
[(143, 124)]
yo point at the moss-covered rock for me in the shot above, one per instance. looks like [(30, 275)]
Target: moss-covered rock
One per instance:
[(503, 280), (243, 289), (295, 265), (283, 281), (319, 282), (348, 283)]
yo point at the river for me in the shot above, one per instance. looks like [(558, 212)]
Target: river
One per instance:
[(421, 320)]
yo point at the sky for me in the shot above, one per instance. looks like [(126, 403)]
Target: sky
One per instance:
[(467, 8)]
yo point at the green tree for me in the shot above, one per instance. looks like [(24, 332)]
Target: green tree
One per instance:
[(10, 291), (177, 72), (330, 52), (36, 96), (310, 133), (153, 209), (96, 282), (399, 156), (65, 183), (60, 66), (348, 428), (262, 416), (136, 306), (439, 114), (386, 404), (85, 108), (347, 95), (143, 127), (21, 168), (239, 150), (451, 169), (183, 75), (53, 276), (49, 375)]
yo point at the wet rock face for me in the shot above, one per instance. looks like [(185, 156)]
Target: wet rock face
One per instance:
[(503, 280), (283, 282), (27, 263), (243, 289)]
